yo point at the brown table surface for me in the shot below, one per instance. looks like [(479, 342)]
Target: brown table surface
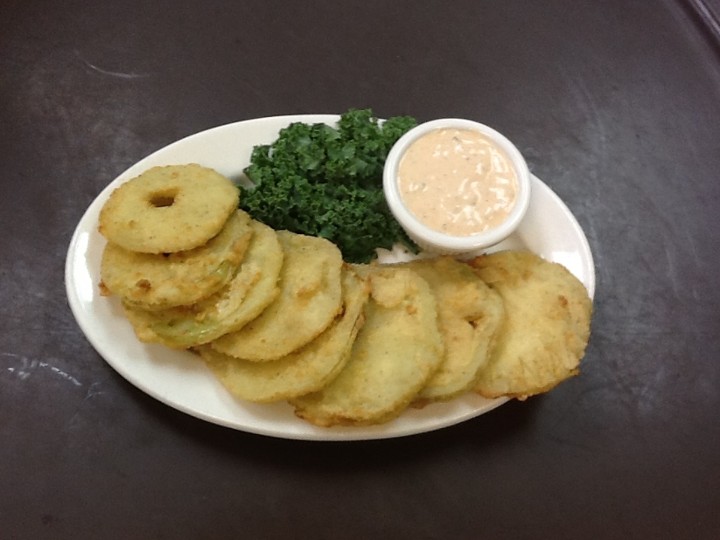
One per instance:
[(616, 106)]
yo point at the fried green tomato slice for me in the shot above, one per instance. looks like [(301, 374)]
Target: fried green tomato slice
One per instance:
[(251, 290), (168, 209), (470, 314), (395, 353), (160, 281), (310, 298), (306, 370), (546, 328)]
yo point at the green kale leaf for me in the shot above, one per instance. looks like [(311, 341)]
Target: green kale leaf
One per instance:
[(326, 181)]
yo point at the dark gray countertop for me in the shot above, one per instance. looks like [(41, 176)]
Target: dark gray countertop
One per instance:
[(616, 106)]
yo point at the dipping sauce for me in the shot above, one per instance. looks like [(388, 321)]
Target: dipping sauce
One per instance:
[(457, 181)]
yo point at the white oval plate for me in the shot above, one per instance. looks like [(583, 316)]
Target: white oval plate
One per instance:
[(180, 380)]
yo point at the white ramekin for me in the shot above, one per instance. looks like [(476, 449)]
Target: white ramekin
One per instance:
[(437, 242)]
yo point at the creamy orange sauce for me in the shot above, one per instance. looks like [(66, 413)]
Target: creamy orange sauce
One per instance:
[(457, 181)]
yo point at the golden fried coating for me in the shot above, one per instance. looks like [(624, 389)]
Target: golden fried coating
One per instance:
[(168, 209), (251, 290), (395, 353), (470, 314), (310, 298), (279, 316), (156, 281), (546, 328), (306, 370)]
